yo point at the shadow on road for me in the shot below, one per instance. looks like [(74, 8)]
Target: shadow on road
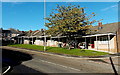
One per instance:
[(99, 60), (14, 57), (24, 70)]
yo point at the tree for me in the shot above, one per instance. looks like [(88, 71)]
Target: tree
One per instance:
[(69, 21)]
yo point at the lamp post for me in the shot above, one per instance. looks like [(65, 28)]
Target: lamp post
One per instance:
[(43, 30)]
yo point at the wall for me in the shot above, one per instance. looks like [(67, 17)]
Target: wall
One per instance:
[(118, 39), (26, 41), (52, 43), (39, 42), (106, 46)]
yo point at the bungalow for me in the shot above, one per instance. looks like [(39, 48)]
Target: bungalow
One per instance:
[(104, 38)]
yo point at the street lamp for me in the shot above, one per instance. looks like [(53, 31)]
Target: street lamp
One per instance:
[(43, 31)]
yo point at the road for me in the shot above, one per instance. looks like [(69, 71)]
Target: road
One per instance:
[(50, 63)]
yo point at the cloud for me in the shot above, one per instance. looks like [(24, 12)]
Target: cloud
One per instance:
[(111, 7)]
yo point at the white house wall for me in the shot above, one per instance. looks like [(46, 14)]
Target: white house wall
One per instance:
[(39, 42), (26, 41), (108, 46), (52, 43), (13, 35)]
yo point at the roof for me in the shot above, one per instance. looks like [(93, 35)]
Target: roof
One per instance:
[(99, 35), (106, 28), (6, 31), (14, 31), (34, 33)]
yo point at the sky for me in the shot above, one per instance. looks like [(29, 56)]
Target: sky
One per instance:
[(60, 0), (30, 15)]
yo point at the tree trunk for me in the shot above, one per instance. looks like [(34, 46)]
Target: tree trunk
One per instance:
[(69, 41)]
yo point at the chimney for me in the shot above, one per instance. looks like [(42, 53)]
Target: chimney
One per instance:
[(99, 25), (30, 31)]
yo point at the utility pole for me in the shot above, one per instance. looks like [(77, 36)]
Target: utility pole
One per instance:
[(44, 41), (43, 30)]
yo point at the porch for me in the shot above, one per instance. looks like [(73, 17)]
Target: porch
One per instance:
[(101, 42)]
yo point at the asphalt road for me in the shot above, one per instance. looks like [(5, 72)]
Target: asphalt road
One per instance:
[(43, 63)]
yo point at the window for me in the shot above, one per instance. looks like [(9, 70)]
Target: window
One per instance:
[(103, 38)]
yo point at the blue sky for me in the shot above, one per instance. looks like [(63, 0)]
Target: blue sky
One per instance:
[(30, 15), (60, 0)]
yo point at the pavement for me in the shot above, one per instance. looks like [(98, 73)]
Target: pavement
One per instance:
[(68, 64)]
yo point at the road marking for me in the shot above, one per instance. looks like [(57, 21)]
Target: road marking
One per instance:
[(9, 67), (60, 65)]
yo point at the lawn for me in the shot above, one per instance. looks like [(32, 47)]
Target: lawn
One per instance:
[(76, 52)]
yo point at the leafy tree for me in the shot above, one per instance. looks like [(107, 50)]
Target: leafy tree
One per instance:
[(69, 21)]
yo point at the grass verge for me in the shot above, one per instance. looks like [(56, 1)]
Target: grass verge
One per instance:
[(75, 52)]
